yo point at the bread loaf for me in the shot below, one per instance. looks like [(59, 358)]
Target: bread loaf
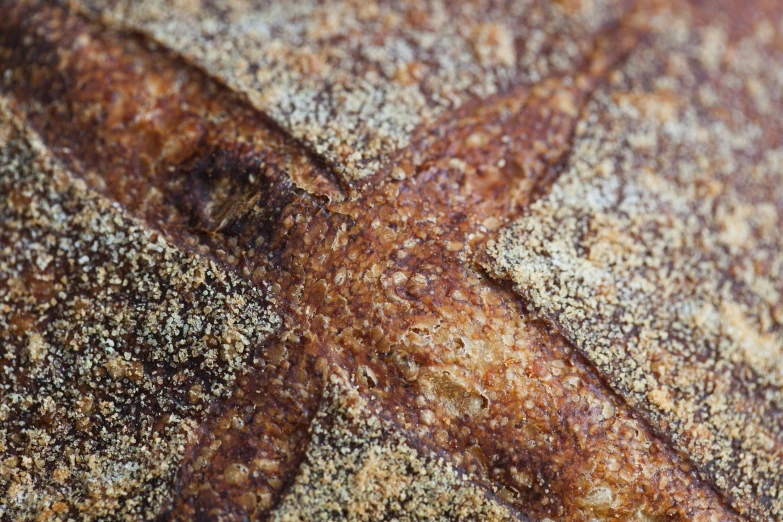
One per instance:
[(356, 260)]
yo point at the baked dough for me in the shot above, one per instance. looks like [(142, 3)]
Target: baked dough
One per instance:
[(371, 261)]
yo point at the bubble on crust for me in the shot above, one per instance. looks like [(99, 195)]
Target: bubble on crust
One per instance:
[(111, 346)]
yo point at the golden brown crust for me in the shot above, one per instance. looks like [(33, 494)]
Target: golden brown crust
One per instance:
[(658, 251), (115, 345), (354, 80), (379, 287), (366, 469)]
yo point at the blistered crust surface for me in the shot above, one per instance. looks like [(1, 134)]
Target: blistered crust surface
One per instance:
[(114, 345), (659, 250), (353, 80), (368, 470)]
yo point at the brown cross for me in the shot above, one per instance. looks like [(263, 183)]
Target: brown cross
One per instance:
[(375, 281)]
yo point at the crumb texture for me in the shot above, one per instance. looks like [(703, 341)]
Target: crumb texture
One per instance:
[(659, 251), (358, 467), (114, 344), (353, 80)]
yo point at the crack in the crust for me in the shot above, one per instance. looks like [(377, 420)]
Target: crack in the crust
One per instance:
[(550, 323), (555, 168), (341, 188), (542, 187), (427, 451), (234, 101), (14, 42), (543, 182)]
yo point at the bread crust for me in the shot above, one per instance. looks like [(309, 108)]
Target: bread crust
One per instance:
[(659, 253), (373, 276)]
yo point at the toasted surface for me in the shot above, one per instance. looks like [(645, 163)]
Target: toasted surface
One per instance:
[(354, 80), (658, 250), (115, 344), (368, 470), (395, 352)]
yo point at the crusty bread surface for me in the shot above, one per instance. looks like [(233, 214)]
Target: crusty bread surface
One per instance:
[(335, 260)]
